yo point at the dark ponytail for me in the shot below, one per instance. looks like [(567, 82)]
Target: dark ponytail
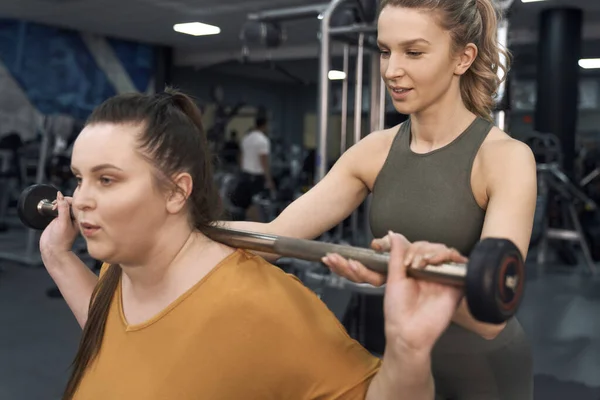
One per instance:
[(206, 206), (93, 332), (172, 141)]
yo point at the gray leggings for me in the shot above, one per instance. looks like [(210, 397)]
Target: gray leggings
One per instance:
[(467, 367)]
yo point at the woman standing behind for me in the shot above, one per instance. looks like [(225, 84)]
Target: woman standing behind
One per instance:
[(446, 175)]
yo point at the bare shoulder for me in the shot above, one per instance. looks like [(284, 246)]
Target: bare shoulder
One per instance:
[(500, 150), (375, 144), (379, 140), (367, 157), (506, 162)]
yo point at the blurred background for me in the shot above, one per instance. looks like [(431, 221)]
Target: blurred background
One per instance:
[(277, 60)]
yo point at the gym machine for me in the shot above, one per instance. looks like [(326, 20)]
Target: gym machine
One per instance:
[(551, 177), (29, 254), (362, 36), (352, 23), (554, 184), (344, 34)]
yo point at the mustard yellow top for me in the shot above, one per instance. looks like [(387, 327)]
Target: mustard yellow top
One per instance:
[(245, 331)]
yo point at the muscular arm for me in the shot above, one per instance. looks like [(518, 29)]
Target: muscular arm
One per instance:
[(75, 281), (510, 172)]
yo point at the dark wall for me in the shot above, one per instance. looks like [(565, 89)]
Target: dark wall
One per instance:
[(286, 102)]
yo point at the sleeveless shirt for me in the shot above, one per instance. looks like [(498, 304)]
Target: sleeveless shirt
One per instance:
[(429, 196)]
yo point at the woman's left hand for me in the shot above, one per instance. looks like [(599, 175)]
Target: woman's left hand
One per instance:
[(356, 271), (417, 311)]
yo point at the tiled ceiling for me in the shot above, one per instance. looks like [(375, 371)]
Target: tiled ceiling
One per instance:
[(152, 21)]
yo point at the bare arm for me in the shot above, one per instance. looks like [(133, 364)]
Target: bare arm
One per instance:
[(512, 189), (403, 376), (75, 281), (416, 313), (334, 198)]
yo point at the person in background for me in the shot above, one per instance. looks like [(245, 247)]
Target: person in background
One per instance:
[(445, 175), (255, 169)]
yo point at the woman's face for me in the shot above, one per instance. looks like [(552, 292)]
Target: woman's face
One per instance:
[(416, 59), (119, 209)]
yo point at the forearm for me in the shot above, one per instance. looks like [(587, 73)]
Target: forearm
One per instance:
[(404, 375), (463, 318), (75, 281)]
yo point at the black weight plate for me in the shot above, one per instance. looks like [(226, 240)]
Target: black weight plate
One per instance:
[(495, 280), (28, 202)]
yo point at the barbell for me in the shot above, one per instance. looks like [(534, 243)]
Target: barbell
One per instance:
[(493, 279)]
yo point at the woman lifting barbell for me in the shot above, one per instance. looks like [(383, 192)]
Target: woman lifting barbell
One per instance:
[(446, 175), (177, 315)]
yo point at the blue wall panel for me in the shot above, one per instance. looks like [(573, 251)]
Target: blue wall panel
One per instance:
[(138, 59), (57, 72)]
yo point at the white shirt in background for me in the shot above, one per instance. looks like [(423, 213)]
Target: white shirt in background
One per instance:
[(254, 144)]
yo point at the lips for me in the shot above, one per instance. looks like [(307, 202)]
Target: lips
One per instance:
[(88, 230), (399, 89)]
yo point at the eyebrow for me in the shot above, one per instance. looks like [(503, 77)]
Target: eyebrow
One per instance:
[(409, 42), (99, 167)]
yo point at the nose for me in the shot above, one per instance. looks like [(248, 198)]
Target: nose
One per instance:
[(83, 198), (393, 67)]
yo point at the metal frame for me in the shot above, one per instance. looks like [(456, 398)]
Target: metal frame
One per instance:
[(356, 28), (323, 94), (290, 13), (344, 121), (358, 35), (325, 12), (358, 118), (500, 116), (327, 34), (377, 123)]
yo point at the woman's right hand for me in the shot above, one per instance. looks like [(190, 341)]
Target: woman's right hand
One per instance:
[(61, 232), (417, 311)]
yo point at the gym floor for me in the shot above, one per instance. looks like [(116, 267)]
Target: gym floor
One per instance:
[(38, 335)]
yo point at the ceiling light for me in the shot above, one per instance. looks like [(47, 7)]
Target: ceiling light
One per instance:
[(334, 75), (530, 1), (590, 63), (197, 29)]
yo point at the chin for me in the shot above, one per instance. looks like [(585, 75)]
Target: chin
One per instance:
[(405, 107), (99, 252)]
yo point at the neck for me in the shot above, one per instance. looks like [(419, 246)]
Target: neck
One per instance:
[(440, 123), (160, 268)]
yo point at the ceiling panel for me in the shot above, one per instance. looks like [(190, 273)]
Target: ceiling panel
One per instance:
[(152, 20)]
